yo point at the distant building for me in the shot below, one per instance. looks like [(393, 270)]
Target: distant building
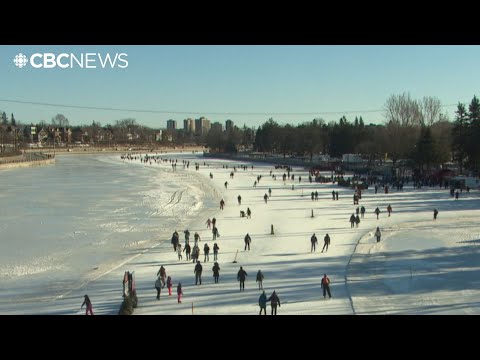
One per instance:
[(217, 126), (171, 124), (158, 135), (189, 126), (202, 126), (229, 125)]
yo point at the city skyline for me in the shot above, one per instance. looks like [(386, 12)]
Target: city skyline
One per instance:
[(247, 84)]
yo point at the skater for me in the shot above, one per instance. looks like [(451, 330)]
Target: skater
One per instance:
[(262, 302), (158, 286), (326, 242), (187, 250), (248, 240), (88, 303), (456, 195), (241, 275), (179, 251), (198, 273), (333, 194), (435, 213), (187, 236), (389, 209), (352, 220), (196, 237), (357, 210), (162, 274), (222, 204), (214, 222), (377, 211), (206, 251), (195, 253), (312, 195), (314, 241), (215, 233), (249, 213), (265, 197), (216, 272), (215, 252), (326, 286), (260, 279), (378, 234), (269, 192), (336, 195), (179, 293), (175, 240), (169, 285), (362, 211), (274, 301), (226, 184), (239, 198), (209, 223)]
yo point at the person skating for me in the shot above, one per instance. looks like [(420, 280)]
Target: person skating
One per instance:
[(262, 302), (269, 192), (162, 274), (187, 250), (196, 238), (352, 220), (198, 273), (274, 302), (179, 251), (435, 213), (362, 211), (179, 293), (222, 204), (260, 279), (333, 194), (226, 184), (326, 286), (248, 240), (378, 234), (239, 198), (215, 233), (326, 242), (175, 240), (88, 303), (241, 276), (357, 220), (249, 213), (314, 241), (169, 285), (216, 272), (158, 286), (377, 211), (265, 197), (215, 251), (209, 223), (206, 251), (187, 236), (389, 209)]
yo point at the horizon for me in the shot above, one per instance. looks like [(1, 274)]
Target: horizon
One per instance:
[(247, 84)]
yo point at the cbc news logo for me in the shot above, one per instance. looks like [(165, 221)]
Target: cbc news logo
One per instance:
[(70, 60)]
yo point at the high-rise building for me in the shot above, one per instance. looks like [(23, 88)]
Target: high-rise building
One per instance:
[(171, 124), (217, 126), (229, 125), (189, 125), (202, 126)]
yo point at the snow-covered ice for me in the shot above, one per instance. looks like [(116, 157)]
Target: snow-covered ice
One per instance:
[(421, 266)]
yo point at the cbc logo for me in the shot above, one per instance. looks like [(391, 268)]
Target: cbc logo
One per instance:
[(20, 60), (65, 61)]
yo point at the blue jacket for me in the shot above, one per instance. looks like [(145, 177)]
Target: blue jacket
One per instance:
[(262, 301)]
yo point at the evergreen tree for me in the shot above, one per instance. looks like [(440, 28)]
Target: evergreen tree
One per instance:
[(460, 135), (12, 120), (4, 119)]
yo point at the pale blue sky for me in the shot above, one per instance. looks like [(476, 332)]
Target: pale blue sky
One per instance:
[(240, 79)]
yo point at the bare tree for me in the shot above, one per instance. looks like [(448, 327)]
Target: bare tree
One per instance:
[(60, 121), (431, 108), (402, 110)]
